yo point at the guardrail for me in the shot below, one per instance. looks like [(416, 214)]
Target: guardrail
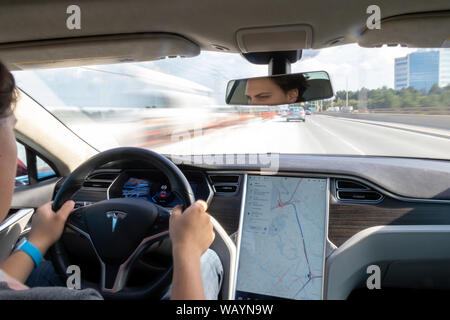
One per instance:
[(407, 110), (428, 120)]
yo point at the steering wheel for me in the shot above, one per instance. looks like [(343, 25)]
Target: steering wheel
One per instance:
[(120, 229)]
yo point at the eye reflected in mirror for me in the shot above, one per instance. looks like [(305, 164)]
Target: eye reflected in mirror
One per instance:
[(280, 89)]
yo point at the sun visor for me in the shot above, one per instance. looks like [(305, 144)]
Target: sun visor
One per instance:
[(95, 50), (277, 38), (424, 30)]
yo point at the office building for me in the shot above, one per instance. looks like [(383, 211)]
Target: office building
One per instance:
[(423, 69)]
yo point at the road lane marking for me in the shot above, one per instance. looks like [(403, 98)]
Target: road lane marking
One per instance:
[(317, 143), (337, 137), (432, 132), (300, 138)]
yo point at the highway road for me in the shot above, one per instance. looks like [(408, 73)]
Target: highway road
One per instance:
[(320, 134)]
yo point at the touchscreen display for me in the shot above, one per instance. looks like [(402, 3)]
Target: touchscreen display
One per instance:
[(282, 240)]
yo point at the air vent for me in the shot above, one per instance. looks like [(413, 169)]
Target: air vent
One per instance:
[(224, 179), (350, 191), (225, 184), (97, 184), (361, 196), (100, 180), (103, 176), (225, 188), (346, 184)]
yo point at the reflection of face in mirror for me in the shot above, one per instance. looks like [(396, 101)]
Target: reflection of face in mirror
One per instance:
[(271, 91)]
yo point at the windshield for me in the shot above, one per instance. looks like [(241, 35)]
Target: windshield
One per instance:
[(389, 101)]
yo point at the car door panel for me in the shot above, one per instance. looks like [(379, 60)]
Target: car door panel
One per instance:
[(33, 196), (13, 228)]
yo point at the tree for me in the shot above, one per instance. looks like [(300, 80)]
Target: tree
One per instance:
[(390, 98), (435, 89)]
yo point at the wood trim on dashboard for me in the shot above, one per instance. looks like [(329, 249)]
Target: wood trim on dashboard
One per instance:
[(348, 219)]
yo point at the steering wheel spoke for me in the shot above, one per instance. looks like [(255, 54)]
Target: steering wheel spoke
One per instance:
[(77, 221), (114, 277), (161, 223)]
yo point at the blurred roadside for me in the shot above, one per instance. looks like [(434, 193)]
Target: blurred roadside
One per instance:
[(149, 127)]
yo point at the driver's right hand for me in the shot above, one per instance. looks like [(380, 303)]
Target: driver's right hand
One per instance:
[(191, 230)]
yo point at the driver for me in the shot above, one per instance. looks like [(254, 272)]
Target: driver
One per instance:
[(191, 231), (276, 90)]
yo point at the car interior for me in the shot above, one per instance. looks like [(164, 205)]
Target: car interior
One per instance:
[(385, 210)]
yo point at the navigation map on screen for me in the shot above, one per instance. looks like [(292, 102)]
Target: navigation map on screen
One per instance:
[(282, 242)]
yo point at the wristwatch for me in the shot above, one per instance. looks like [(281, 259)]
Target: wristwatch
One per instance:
[(27, 247)]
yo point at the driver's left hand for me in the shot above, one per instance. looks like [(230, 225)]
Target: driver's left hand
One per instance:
[(47, 225)]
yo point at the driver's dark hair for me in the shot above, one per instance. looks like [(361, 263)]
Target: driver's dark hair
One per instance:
[(8, 92), (292, 81)]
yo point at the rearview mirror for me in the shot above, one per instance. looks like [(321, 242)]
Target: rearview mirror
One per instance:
[(279, 89)]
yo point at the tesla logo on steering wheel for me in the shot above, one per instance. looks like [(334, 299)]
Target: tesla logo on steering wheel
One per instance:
[(115, 216)]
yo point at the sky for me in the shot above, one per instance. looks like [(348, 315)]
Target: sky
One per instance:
[(354, 67), (372, 68), (133, 84)]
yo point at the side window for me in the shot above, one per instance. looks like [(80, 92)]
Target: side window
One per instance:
[(44, 170), (31, 168), (22, 171)]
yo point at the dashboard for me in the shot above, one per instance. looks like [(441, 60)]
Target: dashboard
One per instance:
[(151, 190), (380, 206), (147, 184)]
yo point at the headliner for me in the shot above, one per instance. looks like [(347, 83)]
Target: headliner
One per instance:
[(204, 22)]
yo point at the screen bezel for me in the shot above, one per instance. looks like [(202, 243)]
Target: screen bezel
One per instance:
[(241, 221)]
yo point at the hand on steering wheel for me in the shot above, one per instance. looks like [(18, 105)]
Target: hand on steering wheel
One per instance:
[(191, 230), (47, 225), (120, 229)]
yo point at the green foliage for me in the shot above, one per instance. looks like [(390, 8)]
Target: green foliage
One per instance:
[(390, 98)]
